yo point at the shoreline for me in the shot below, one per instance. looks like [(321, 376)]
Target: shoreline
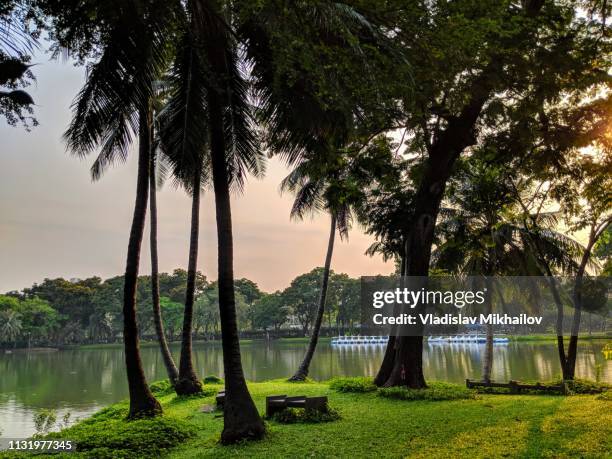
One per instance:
[(298, 340), (189, 428)]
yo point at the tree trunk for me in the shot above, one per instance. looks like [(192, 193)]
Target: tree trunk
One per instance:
[(188, 383), (459, 134), (559, 323), (302, 372), (241, 418), (488, 354), (142, 402), (407, 367), (569, 371), (157, 316), (389, 357)]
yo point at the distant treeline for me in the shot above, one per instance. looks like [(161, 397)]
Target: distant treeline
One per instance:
[(58, 312)]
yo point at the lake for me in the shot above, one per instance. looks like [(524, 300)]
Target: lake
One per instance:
[(82, 381)]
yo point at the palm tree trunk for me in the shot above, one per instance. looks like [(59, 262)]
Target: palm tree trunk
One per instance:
[(188, 383), (241, 418), (157, 316), (488, 354), (302, 372), (142, 402)]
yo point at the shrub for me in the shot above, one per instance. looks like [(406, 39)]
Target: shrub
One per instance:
[(607, 396), (359, 384), (161, 388), (435, 391), (117, 411), (44, 420), (142, 438), (207, 391), (295, 416), (212, 379), (585, 386)]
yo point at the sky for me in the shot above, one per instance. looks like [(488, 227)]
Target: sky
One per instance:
[(54, 222)]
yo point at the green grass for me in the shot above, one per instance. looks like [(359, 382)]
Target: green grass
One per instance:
[(352, 384), (369, 425), (435, 392), (553, 337)]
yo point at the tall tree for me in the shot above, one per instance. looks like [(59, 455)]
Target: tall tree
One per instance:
[(155, 297), (185, 143), (215, 112), (482, 232), (465, 93), (115, 104), (320, 186), (588, 206), (224, 35)]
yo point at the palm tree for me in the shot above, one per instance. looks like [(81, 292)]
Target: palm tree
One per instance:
[(17, 43), (114, 105), (483, 233), (319, 188), (208, 112), (157, 315), (10, 325), (224, 39), (184, 140)]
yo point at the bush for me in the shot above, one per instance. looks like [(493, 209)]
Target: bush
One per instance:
[(584, 386), (117, 411), (207, 391), (142, 438), (212, 379), (436, 391), (161, 388), (295, 416), (359, 384), (607, 396)]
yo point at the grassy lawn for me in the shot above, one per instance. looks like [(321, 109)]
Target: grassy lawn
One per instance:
[(552, 337), (486, 426)]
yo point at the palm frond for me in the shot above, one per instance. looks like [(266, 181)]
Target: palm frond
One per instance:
[(242, 142), (308, 199), (344, 221), (118, 85), (183, 121)]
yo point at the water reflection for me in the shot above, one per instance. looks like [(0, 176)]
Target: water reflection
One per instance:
[(81, 381)]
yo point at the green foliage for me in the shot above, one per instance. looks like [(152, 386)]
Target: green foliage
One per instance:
[(116, 411), (60, 311), (207, 391), (212, 379), (585, 386), (269, 311), (607, 396), (358, 384), (488, 426), (297, 416), (44, 420), (143, 438), (161, 388), (436, 391)]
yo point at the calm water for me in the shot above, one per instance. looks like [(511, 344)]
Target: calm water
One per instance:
[(82, 381)]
